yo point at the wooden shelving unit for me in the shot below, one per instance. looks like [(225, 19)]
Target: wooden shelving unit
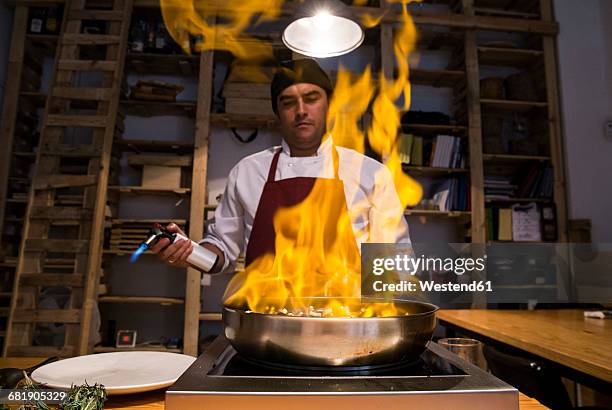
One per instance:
[(436, 78), (411, 169), (154, 108), (141, 300), (447, 214), (139, 145), (508, 57), (456, 29), (239, 120), (162, 64), (146, 190), (510, 105), (513, 157), (458, 130), (22, 97)]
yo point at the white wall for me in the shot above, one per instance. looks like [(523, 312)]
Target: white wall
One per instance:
[(585, 70)]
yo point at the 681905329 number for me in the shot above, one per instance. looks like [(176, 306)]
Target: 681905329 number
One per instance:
[(26, 396)]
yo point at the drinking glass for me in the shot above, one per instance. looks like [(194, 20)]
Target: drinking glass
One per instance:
[(469, 350)]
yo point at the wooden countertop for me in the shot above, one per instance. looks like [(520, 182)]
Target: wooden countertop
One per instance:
[(561, 336), (152, 402), (156, 400)]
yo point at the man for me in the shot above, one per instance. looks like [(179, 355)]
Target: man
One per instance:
[(261, 184)]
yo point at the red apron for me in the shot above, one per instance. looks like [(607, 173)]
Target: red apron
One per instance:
[(293, 191)]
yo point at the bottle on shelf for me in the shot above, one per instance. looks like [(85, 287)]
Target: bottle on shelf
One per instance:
[(149, 45), (138, 37), (52, 22), (37, 20), (161, 39)]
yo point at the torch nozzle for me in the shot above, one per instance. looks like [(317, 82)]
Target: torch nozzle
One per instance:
[(154, 234)]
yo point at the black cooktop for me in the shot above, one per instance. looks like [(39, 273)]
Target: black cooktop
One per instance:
[(221, 378), (429, 364)]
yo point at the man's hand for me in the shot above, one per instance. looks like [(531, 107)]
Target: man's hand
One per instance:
[(174, 254)]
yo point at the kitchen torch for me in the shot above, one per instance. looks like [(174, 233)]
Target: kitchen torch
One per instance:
[(200, 257)]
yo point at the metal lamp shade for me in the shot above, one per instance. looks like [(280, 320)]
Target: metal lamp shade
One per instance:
[(323, 29)]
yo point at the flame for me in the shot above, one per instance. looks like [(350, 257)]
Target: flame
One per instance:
[(314, 268), (221, 25)]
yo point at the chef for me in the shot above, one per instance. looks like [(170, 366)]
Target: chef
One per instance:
[(282, 176)]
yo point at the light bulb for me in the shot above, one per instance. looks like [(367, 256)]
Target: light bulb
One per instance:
[(322, 20)]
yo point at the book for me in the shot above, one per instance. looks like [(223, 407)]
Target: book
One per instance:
[(405, 148), (417, 151), (441, 195), (505, 224)]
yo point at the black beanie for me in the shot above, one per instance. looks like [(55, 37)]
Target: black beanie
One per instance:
[(292, 72)]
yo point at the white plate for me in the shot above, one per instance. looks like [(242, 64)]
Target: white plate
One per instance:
[(119, 372)]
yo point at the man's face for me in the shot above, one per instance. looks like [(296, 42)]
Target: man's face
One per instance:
[(302, 110)]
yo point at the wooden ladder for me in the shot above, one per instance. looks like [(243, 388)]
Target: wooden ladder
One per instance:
[(62, 243)]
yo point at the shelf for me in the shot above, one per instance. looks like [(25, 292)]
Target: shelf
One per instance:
[(119, 221), (211, 316), (141, 300), (9, 263), (432, 170), (244, 121), (154, 146), (142, 108), (69, 200), (507, 57), (38, 99), (162, 64), (427, 212), (145, 190), (24, 154), (436, 78), (59, 263), (17, 200), (45, 43), (488, 11), (20, 179), (522, 200), (511, 105), (512, 157), (435, 40), (49, 38), (149, 348), (433, 128), (13, 219)]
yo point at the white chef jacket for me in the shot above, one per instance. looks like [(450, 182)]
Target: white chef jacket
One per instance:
[(368, 187)]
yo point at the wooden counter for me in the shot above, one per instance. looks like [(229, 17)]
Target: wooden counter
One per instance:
[(156, 400), (564, 337)]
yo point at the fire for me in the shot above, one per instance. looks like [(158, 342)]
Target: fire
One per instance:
[(221, 25), (316, 268)]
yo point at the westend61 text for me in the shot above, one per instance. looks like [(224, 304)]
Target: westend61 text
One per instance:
[(431, 286)]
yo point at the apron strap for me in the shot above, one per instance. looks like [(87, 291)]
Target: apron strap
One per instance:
[(272, 172)]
